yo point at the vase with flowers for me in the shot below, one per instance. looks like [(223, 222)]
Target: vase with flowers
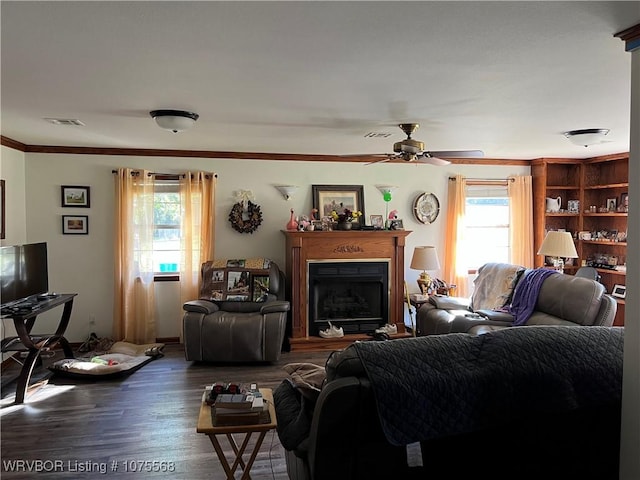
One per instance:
[(346, 218)]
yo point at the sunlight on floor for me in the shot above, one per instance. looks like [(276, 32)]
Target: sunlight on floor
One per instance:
[(42, 393)]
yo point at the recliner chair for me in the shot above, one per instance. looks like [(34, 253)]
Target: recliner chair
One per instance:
[(241, 315)]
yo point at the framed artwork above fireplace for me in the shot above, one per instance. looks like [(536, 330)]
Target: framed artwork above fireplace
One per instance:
[(338, 197)]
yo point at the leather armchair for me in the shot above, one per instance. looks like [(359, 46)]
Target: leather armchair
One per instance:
[(234, 330)]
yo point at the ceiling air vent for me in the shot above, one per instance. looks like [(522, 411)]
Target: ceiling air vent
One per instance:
[(65, 121), (377, 135)]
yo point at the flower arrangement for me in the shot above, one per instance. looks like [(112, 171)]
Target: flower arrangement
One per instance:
[(346, 215)]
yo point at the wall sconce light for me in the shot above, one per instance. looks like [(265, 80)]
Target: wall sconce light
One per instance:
[(586, 137), (174, 120), (386, 191), (287, 191)]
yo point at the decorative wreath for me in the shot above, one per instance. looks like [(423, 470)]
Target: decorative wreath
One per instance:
[(238, 215)]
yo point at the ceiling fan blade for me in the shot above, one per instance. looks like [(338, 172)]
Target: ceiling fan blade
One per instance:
[(433, 160), (457, 154), (387, 158)]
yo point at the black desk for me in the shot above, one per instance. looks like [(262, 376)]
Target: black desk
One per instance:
[(33, 344)]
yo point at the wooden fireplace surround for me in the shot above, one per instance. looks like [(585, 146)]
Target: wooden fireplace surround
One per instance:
[(353, 245)]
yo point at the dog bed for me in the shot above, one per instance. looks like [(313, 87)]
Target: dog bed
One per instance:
[(123, 358)]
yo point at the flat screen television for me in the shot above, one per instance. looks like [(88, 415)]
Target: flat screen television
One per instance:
[(23, 272)]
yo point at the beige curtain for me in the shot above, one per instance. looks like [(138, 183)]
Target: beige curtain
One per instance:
[(521, 220), (197, 200), (455, 269), (133, 310)]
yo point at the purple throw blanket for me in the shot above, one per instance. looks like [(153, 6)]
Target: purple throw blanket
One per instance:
[(526, 293)]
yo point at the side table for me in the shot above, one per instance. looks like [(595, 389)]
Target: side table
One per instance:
[(205, 425), (33, 344), (418, 301)]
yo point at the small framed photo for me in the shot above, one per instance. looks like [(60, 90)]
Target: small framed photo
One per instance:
[(612, 204), (619, 291), (395, 224), (573, 206), (377, 221), (624, 201), (74, 196), (75, 224)]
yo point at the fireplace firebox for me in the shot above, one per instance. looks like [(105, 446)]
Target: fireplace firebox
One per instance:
[(353, 295)]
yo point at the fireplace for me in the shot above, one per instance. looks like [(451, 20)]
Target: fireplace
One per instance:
[(351, 295), (342, 247)]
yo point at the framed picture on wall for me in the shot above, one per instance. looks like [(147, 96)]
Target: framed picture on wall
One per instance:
[(75, 224), (75, 196), (327, 198)]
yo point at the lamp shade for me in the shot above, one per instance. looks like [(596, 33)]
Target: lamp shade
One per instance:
[(174, 120), (558, 244), (425, 258)]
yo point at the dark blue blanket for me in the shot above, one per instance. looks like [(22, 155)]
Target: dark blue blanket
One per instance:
[(444, 385)]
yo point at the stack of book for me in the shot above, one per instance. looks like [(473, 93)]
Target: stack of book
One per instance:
[(239, 409)]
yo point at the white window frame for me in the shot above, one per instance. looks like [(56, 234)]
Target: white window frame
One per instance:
[(478, 191)]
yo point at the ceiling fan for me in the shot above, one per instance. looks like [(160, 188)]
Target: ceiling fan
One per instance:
[(411, 150)]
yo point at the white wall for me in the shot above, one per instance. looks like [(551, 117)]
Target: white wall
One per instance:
[(12, 171), (83, 264), (630, 438)]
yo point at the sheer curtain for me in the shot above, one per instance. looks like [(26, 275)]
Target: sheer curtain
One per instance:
[(521, 220), (197, 200), (455, 269), (133, 310)]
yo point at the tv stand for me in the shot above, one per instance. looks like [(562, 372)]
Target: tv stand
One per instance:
[(33, 344)]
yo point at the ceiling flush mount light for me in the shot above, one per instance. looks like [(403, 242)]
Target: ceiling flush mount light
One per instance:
[(586, 137), (174, 120)]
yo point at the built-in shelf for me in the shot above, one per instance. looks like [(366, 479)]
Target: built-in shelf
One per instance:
[(593, 183)]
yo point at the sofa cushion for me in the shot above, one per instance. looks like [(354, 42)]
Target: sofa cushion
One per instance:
[(494, 285)]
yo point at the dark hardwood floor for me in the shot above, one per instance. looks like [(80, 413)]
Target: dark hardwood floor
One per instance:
[(72, 428)]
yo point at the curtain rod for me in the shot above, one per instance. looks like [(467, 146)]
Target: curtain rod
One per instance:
[(150, 174), (487, 182), (510, 179)]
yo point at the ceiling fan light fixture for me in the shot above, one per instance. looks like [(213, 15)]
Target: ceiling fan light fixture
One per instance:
[(409, 145), (174, 120), (587, 136)]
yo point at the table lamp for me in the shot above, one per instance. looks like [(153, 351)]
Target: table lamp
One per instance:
[(558, 245), (425, 258)]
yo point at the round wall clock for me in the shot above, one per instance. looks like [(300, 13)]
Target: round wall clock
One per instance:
[(426, 207)]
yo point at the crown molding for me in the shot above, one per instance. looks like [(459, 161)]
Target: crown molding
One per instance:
[(296, 157), (631, 37)]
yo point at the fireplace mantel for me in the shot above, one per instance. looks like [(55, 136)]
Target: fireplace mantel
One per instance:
[(355, 245)]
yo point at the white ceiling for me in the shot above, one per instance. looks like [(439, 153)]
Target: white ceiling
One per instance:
[(315, 77)]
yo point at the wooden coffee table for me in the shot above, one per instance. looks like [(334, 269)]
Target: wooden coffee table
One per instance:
[(205, 425)]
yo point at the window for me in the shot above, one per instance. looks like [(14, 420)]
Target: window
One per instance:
[(486, 225), (166, 225)]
